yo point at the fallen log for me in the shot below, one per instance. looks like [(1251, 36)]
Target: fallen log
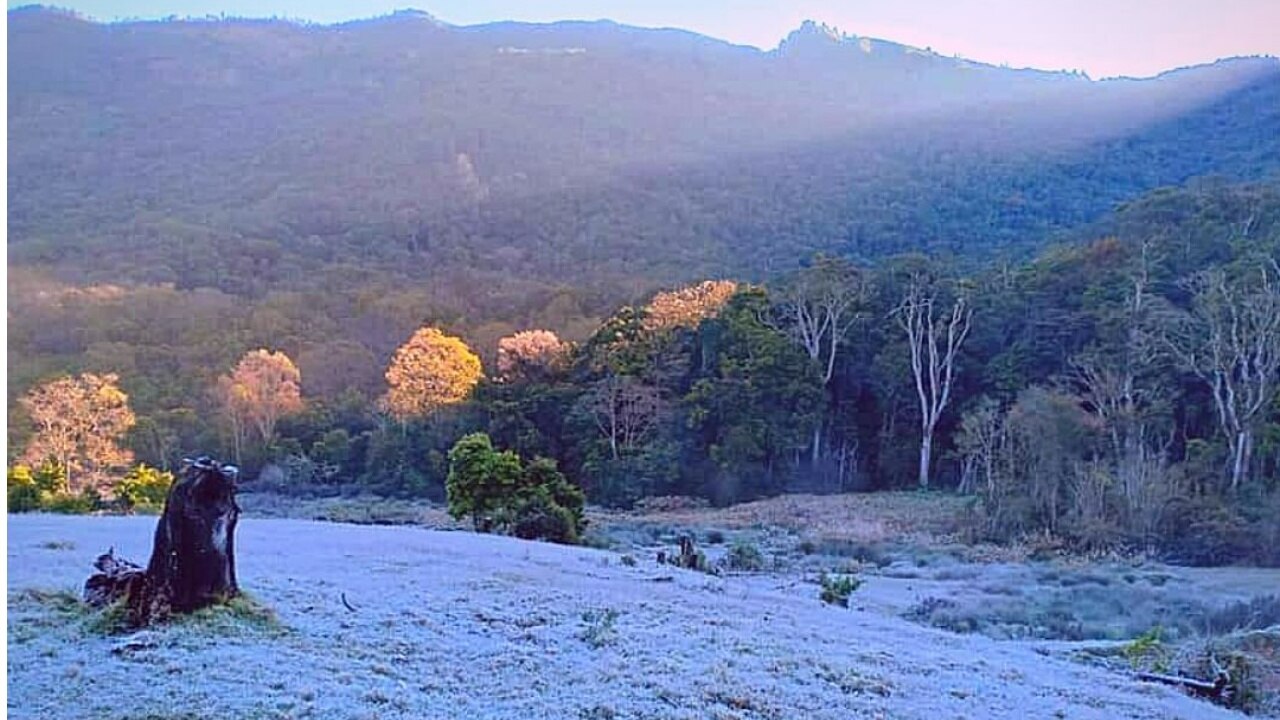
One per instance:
[(1212, 690), (192, 556)]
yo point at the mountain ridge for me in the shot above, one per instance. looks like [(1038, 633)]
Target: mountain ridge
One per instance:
[(809, 30)]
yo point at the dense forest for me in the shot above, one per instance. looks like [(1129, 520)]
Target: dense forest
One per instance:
[(1115, 392), (656, 263)]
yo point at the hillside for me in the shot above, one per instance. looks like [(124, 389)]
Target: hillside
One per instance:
[(450, 622), (251, 156)]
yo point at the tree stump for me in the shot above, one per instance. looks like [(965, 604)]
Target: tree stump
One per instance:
[(192, 558)]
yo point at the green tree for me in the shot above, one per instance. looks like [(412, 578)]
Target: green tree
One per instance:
[(481, 480)]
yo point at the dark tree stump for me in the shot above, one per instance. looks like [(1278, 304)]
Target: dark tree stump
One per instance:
[(193, 560)]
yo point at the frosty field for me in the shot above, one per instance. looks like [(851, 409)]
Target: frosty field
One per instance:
[(452, 624)]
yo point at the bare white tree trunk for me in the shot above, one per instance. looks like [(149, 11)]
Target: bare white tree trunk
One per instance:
[(818, 307), (1231, 340), (934, 343)]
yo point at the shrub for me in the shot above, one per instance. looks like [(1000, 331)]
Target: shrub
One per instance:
[(143, 488), (745, 556), (598, 627), (24, 494), (74, 504), (537, 517), (534, 502), (836, 589), (1148, 650)]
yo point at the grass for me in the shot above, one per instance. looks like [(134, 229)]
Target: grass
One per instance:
[(64, 608), (598, 628)]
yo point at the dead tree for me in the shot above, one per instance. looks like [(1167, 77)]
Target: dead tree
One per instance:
[(193, 555)]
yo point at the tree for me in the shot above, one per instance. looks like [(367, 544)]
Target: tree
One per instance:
[(818, 305), (688, 306), (78, 422), (481, 480), (625, 410), (263, 387), (428, 372), (932, 367), (531, 355), (1230, 339)]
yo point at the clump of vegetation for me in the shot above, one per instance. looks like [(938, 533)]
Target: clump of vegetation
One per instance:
[(45, 487), (598, 628), (1148, 651), (499, 493), (745, 556), (715, 537), (143, 489), (836, 589), (688, 557), (1257, 613)]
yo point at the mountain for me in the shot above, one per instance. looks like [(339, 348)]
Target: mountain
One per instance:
[(258, 155)]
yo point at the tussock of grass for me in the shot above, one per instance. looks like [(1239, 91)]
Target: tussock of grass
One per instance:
[(242, 612)]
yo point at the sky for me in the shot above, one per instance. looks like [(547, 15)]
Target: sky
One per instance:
[(1104, 38)]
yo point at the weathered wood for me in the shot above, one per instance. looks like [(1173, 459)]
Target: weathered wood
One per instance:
[(115, 579), (1213, 690), (193, 554)]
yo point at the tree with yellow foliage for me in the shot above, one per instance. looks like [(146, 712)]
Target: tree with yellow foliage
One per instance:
[(78, 421), (264, 387), (429, 371), (688, 306)]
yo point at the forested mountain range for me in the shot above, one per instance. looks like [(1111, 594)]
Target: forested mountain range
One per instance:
[(503, 161), (364, 216)]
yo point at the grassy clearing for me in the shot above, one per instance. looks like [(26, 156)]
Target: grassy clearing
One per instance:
[(358, 510)]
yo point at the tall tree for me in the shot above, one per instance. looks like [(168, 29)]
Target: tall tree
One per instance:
[(264, 387), (428, 372), (817, 305), (531, 355), (1230, 339), (688, 306), (934, 339), (625, 410), (78, 422)]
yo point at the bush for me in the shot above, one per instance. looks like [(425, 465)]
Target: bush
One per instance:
[(745, 556), (24, 494), (45, 488), (74, 504), (1206, 532), (537, 517), (836, 589), (534, 502), (143, 488)]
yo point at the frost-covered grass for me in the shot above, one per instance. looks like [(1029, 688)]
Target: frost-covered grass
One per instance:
[(452, 624)]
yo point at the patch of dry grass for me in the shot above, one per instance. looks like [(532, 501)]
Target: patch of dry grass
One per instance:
[(873, 517)]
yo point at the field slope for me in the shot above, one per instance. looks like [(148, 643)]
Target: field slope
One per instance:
[(451, 624)]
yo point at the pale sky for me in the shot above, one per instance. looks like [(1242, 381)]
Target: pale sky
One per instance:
[(1102, 37)]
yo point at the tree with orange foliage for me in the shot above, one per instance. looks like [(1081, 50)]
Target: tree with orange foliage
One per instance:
[(78, 421), (686, 307), (429, 371), (530, 354), (264, 387)]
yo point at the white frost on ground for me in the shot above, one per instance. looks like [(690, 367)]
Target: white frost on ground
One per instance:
[(452, 624)]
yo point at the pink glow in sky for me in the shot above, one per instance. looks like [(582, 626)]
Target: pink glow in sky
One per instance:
[(1102, 37)]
